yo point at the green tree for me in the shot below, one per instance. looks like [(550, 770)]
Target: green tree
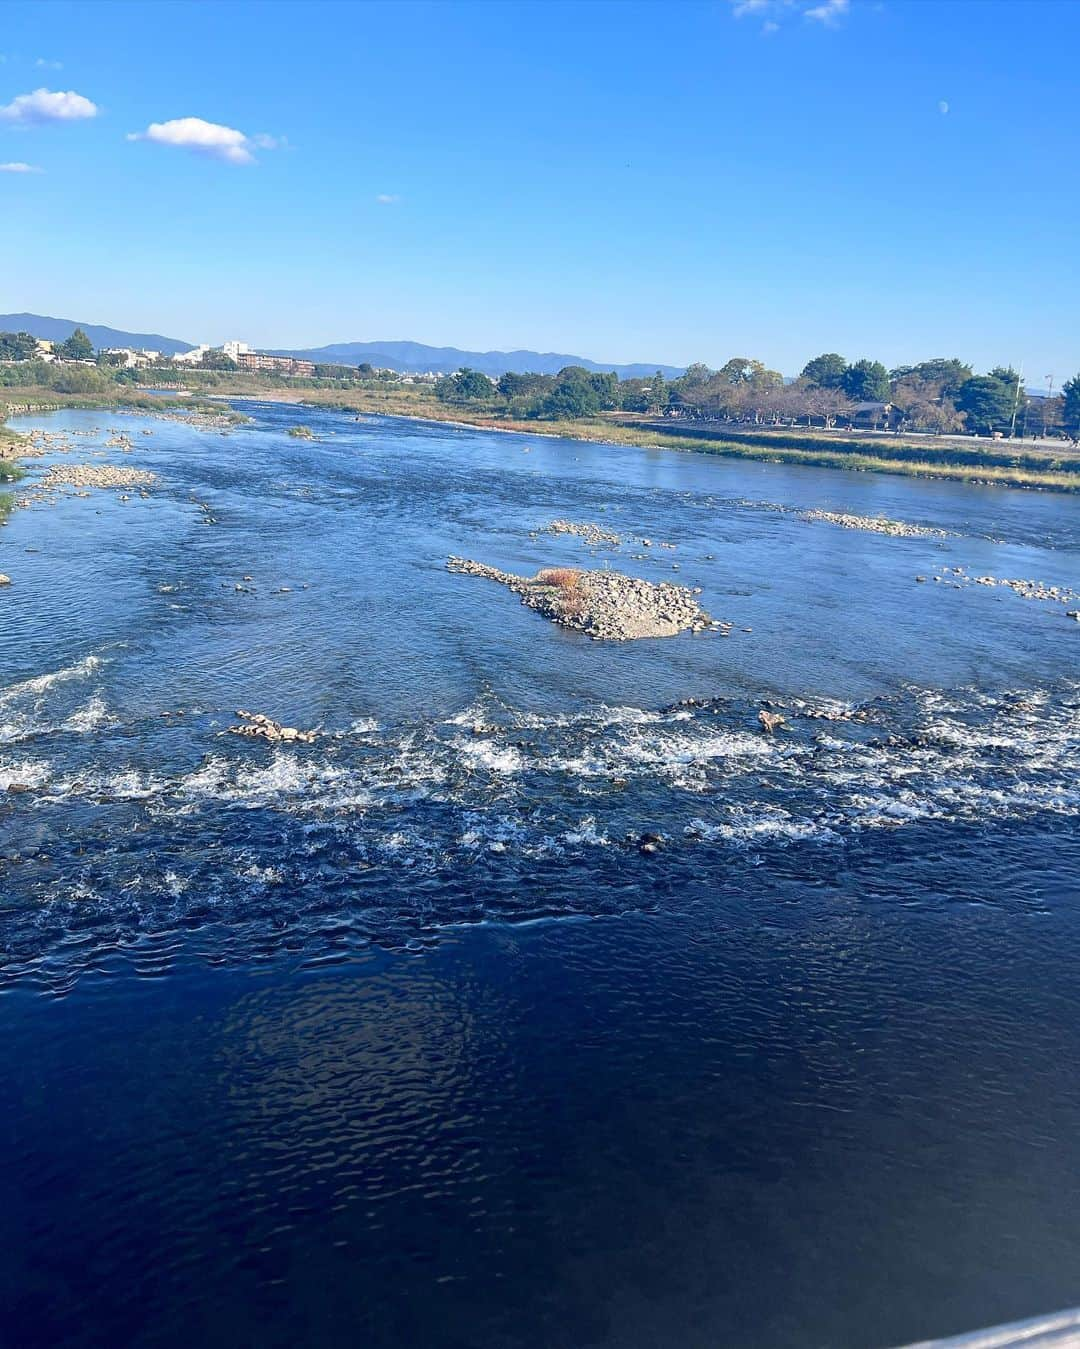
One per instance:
[(825, 371), (1070, 405), (79, 379), (78, 347), (518, 384), (988, 401), (742, 370), (464, 386), (866, 382), (606, 384), (217, 360), (948, 373), (696, 376), (574, 395), (17, 347), (473, 385), (634, 395)]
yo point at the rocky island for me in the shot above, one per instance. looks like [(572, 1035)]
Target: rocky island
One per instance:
[(604, 605)]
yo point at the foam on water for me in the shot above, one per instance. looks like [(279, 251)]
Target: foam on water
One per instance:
[(42, 683), (33, 707), (929, 755), (503, 760), (88, 717)]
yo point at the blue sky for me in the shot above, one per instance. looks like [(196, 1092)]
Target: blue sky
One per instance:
[(675, 182)]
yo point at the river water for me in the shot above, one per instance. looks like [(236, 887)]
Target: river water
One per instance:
[(397, 1037)]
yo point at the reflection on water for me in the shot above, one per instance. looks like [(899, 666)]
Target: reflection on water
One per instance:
[(782, 1111)]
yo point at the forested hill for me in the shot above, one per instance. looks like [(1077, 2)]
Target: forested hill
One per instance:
[(415, 357), (405, 357), (59, 330)]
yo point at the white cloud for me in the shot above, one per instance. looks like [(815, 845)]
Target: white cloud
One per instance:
[(773, 13), (206, 138), (387, 198), (943, 107), (265, 142), (43, 64), (17, 167), (45, 106), (830, 11)]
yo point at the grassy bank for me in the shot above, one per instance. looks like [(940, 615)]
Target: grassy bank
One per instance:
[(119, 397), (10, 472), (996, 463)]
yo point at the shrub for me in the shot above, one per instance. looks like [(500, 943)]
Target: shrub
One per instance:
[(567, 581)]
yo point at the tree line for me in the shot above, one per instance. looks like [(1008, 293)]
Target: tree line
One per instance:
[(24, 347), (939, 395)]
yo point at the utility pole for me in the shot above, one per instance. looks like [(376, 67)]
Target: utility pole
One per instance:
[(1016, 402)]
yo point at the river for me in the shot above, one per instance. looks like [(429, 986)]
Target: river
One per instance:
[(398, 1037)]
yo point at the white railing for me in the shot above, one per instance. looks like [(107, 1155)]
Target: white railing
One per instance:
[(1061, 1330)]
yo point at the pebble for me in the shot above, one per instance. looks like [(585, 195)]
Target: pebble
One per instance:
[(877, 524), (1026, 589), (593, 534), (94, 475)]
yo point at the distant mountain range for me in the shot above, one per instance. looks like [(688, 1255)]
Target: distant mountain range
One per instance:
[(56, 330), (406, 357), (415, 357)]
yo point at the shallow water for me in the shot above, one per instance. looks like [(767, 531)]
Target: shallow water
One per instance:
[(327, 1048)]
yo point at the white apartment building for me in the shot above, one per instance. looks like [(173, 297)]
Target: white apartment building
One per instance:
[(192, 357)]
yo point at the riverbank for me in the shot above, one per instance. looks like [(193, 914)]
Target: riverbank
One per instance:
[(10, 470), (996, 464)]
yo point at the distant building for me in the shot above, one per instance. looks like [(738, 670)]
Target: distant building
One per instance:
[(872, 414), (130, 359), (192, 357), (234, 350), (278, 365)]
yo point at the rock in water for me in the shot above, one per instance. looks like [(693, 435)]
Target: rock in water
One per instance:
[(604, 605), (770, 721), (265, 728)]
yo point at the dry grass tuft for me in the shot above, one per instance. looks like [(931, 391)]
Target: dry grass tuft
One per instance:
[(567, 581)]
